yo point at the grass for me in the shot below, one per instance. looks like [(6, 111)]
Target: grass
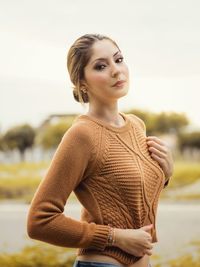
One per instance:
[(20, 188), (189, 258), (46, 255), (185, 173), (20, 181), (19, 168), (187, 197), (39, 255)]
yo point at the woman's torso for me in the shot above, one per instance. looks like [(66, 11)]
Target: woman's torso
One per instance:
[(126, 150)]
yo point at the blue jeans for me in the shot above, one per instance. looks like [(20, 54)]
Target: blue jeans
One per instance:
[(95, 264)]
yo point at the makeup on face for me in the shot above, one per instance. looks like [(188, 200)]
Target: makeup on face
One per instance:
[(101, 63)]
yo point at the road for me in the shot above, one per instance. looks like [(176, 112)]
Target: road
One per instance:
[(177, 225)]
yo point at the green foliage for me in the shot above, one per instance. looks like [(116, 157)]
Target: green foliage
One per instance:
[(41, 255), (188, 197), (20, 137), (164, 122), (46, 255), (185, 173), (189, 259), (149, 119), (2, 145), (189, 140), (51, 135), (186, 261), (170, 121), (20, 181), (14, 169), (19, 188)]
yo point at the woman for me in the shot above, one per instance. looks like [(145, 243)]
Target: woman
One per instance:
[(116, 172)]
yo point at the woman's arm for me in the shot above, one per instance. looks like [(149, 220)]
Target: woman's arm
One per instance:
[(46, 221)]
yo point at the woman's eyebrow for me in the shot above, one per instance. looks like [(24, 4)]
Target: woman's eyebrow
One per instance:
[(101, 58)]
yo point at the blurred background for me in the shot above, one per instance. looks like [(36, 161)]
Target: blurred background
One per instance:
[(160, 42)]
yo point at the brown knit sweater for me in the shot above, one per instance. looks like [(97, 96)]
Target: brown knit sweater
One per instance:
[(113, 176)]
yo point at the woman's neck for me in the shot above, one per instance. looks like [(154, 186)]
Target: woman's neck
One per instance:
[(108, 114)]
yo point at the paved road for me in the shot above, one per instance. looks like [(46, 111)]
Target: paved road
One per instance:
[(177, 224)]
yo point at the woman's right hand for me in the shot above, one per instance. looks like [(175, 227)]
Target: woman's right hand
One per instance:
[(137, 242)]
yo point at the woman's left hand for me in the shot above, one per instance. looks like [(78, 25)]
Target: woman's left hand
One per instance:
[(162, 154)]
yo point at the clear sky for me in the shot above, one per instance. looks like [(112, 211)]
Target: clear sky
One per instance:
[(160, 41)]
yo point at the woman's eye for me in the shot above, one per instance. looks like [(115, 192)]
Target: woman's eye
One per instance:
[(120, 59), (100, 67)]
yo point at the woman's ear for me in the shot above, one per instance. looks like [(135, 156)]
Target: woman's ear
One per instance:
[(83, 86), (84, 90)]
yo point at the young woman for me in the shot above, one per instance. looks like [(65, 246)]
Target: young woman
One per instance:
[(116, 172)]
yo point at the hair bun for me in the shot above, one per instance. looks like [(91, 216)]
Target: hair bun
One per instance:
[(75, 94)]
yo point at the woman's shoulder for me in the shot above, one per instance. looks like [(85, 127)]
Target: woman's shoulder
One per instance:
[(80, 131), (137, 121)]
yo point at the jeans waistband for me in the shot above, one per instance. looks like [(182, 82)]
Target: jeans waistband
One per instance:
[(96, 264)]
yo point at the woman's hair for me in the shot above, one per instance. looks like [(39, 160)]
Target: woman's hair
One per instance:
[(78, 57)]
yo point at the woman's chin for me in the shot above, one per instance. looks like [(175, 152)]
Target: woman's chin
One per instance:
[(123, 92)]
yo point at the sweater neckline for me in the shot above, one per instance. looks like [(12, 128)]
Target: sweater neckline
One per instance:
[(106, 124)]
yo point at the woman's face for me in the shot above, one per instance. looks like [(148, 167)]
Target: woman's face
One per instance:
[(106, 74)]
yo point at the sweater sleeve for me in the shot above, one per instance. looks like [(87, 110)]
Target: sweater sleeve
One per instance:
[(46, 220)]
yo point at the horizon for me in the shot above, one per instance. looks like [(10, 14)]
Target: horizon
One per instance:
[(160, 43)]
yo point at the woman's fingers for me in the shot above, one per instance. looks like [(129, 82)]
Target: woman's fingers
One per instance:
[(155, 139), (161, 153), (157, 152), (158, 146), (161, 160)]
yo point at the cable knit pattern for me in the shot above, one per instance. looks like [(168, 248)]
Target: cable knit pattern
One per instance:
[(113, 176)]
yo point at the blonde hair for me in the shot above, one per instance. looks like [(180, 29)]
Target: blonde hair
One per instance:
[(78, 57)]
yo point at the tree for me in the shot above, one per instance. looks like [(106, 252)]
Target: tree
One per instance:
[(51, 135), (148, 117), (189, 140), (20, 137), (170, 121), (164, 122), (1, 143)]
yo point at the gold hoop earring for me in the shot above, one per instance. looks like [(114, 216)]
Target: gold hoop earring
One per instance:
[(84, 95), (84, 90)]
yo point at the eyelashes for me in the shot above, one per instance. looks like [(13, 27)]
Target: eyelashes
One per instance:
[(102, 66), (120, 59), (99, 66)]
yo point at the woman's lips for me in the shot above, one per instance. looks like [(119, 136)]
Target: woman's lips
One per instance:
[(119, 84)]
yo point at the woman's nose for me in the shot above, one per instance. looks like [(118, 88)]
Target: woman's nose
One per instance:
[(115, 70)]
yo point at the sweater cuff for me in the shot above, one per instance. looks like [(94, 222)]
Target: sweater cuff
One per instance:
[(100, 237)]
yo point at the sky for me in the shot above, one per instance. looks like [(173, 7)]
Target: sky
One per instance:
[(160, 42)]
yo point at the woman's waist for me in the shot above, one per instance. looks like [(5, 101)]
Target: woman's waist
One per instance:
[(142, 262), (98, 258)]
